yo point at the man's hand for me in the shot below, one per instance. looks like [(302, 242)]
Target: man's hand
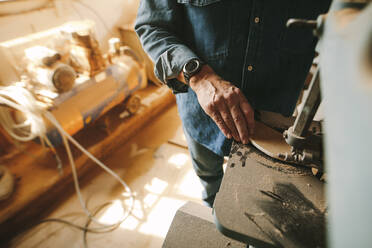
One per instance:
[(225, 104)]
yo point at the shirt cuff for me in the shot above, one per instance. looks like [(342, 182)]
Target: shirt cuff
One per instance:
[(169, 65)]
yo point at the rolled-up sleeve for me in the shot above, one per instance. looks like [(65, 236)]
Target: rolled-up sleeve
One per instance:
[(157, 25)]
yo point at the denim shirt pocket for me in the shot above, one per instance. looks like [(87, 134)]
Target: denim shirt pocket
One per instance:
[(207, 29), (199, 3)]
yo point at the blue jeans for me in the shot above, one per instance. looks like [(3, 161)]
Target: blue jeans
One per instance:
[(208, 167)]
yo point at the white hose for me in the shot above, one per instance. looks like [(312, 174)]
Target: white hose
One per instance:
[(66, 137), (20, 99)]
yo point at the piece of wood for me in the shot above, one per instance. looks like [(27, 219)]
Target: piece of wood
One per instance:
[(269, 141), (38, 183)]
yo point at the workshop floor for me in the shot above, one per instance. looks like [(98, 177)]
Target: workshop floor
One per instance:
[(158, 172)]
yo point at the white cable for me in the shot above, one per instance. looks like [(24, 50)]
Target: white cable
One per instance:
[(21, 99), (65, 135)]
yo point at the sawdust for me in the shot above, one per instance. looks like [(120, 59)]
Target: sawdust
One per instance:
[(244, 151)]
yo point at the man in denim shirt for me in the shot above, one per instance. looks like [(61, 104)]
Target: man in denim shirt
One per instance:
[(224, 59)]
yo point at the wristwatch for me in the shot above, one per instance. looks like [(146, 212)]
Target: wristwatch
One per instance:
[(192, 67)]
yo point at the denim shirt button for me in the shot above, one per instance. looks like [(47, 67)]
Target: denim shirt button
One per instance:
[(250, 68), (257, 19)]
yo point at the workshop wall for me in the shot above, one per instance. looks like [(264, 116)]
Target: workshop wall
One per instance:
[(108, 15)]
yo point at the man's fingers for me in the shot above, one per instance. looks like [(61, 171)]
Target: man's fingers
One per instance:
[(228, 108), (227, 118), (247, 111), (240, 123), (233, 100), (220, 123), (249, 116)]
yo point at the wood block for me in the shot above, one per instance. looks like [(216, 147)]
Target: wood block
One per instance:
[(269, 141)]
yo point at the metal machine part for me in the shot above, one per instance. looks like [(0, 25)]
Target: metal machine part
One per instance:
[(306, 116), (64, 77), (45, 67), (347, 86), (58, 77), (87, 53), (86, 102), (316, 25), (306, 144)]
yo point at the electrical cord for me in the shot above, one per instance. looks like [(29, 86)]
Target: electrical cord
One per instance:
[(66, 137), (84, 228), (20, 99), (16, 97)]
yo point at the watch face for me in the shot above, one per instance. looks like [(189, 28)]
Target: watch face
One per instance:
[(192, 66)]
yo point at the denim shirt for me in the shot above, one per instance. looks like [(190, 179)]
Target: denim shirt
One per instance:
[(246, 42)]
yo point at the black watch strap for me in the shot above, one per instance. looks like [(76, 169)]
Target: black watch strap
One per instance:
[(191, 68)]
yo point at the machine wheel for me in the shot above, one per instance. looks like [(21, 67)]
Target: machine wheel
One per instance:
[(133, 104)]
